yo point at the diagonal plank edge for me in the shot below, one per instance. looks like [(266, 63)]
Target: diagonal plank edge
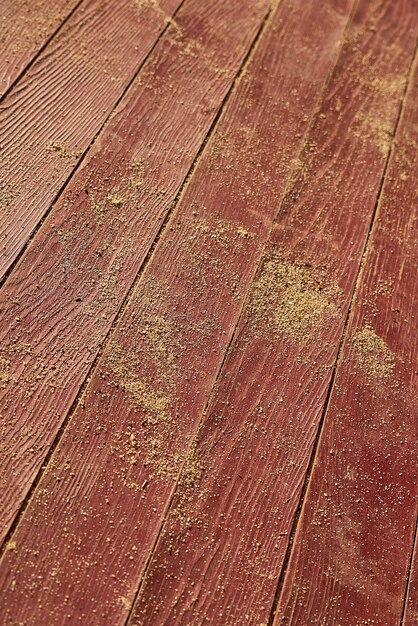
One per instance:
[(410, 613), (114, 469), (52, 114)]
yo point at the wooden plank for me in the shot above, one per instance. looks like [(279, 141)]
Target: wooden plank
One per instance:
[(410, 617), (50, 117), (25, 27), (126, 442), (352, 550), (220, 552), (61, 300)]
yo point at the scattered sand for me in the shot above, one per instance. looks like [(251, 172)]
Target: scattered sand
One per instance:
[(192, 469), (376, 125), (6, 197), (114, 203), (62, 151), (245, 234), (124, 368), (293, 300), (35, 20), (4, 371), (372, 354)]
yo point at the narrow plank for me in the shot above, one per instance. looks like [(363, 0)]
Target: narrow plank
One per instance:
[(126, 442), (352, 550), (25, 27), (50, 117), (60, 301), (411, 599), (220, 552)]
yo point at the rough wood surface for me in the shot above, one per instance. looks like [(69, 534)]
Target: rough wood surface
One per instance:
[(25, 27), (98, 506), (52, 114), (352, 549), (61, 299), (220, 553)]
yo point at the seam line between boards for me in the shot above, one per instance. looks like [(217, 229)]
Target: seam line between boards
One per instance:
[(414, 552)]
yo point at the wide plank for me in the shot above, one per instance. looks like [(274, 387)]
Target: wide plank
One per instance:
[(99, 504), (25, 28), (60, 301), (351, 554), (221, 550), (53, 113)]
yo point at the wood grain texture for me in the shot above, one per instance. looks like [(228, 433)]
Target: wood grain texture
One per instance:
[(220, 552), (25, 27), (411, 599), (60, 301), (52, 114), (98, 506), (352, 549)]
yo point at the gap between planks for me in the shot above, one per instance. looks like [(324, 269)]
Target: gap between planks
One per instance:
[(414, 552)]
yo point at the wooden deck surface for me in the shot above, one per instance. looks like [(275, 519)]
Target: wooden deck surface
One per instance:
[(208, 312)]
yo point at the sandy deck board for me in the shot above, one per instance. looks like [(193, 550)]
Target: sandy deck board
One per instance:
[(81, 548), (182, 316)]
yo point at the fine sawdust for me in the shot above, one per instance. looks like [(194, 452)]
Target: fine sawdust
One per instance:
[(6, 197), (120, 196), (35, 20), (372, 354), (292, 300), (61, 150), (376, 124), (4, 371)]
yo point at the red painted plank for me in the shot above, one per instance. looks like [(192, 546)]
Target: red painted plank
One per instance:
[(52, 114), (61, 299), (220, 553), (126, 442), (25, 27), (351, 554), (411, 600)]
